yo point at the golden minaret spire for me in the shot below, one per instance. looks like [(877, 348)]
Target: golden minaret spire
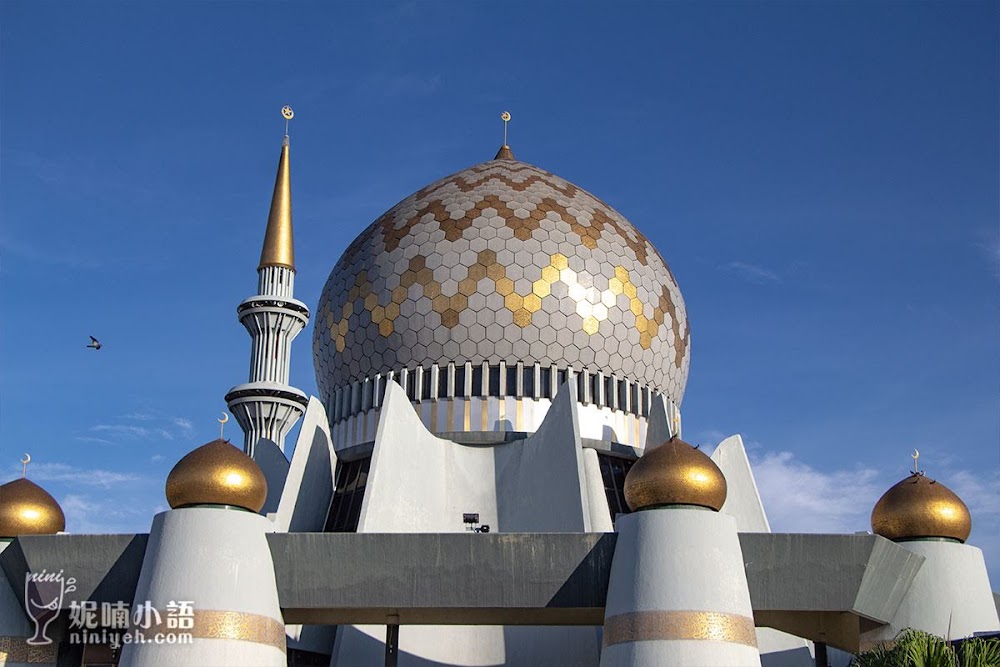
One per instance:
[(278, 250)]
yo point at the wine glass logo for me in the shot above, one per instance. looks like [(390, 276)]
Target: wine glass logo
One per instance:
[(43, 598)]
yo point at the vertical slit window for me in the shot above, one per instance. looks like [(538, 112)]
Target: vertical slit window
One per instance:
[(477, 381), (494, 380), (348, 494), (613, 472)]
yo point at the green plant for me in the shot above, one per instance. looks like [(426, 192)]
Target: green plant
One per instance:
[(913, 648)]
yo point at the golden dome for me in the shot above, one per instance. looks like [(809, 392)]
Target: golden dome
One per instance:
[(675, 473), (217, 474), (28, 509), (921, 507)]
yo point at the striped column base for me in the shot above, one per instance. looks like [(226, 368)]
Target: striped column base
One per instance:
[(14, 650), (680, 638)]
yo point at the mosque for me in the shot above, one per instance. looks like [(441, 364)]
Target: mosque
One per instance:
[(493, 474)]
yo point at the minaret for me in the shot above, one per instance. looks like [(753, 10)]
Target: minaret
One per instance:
[(266, 406)]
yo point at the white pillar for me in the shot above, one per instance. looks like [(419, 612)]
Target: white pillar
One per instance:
[(950, 597), (219, 561), (678, 592)]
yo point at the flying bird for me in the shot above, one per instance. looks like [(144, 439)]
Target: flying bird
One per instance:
[(94, 343)]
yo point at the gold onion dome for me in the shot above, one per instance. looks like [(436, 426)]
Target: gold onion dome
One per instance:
[(920, 507), (675, 473), (217, 473), (28, 509)]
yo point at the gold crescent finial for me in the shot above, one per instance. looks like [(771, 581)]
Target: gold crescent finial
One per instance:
[(288, 114), (222, 424), (915, 455), (505, 117), (24, 464)]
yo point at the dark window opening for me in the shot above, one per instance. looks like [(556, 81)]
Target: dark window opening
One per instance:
[(494, 380), (477, 381), (613, 471), (345, 508), (511, 381)]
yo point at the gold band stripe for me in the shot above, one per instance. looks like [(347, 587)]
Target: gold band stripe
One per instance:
[(643, 626), (233, 625), (17, 649)]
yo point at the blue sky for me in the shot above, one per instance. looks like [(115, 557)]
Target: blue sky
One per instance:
[(821, 177)]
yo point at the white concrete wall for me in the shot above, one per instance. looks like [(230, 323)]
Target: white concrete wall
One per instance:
[(950, 596), (493, 413), (676, 559), (274, 465), (420, 483), (219, 560), (305, 500), (742, 497), (743, 503), (309, 484), (540, 481)]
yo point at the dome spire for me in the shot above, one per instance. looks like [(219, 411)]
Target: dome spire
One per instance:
[(505, 153), (278, 249)]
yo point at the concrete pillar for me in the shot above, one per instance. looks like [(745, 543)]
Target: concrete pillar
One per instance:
[(217, 560), (950, 596), (678, 592)]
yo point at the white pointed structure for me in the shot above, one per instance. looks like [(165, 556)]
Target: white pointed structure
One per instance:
[(421, 483), (743, 503), (227, 582), (267, 407), (678, 591)]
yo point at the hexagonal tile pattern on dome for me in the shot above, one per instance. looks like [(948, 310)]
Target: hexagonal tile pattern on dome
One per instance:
[(502, 259)]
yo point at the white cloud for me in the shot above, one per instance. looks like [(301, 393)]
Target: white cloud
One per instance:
[(122, 430), (61, 472), (88, 438), (150, 426), (139, 416), (754, 272), (801, 499), (86, 514)]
